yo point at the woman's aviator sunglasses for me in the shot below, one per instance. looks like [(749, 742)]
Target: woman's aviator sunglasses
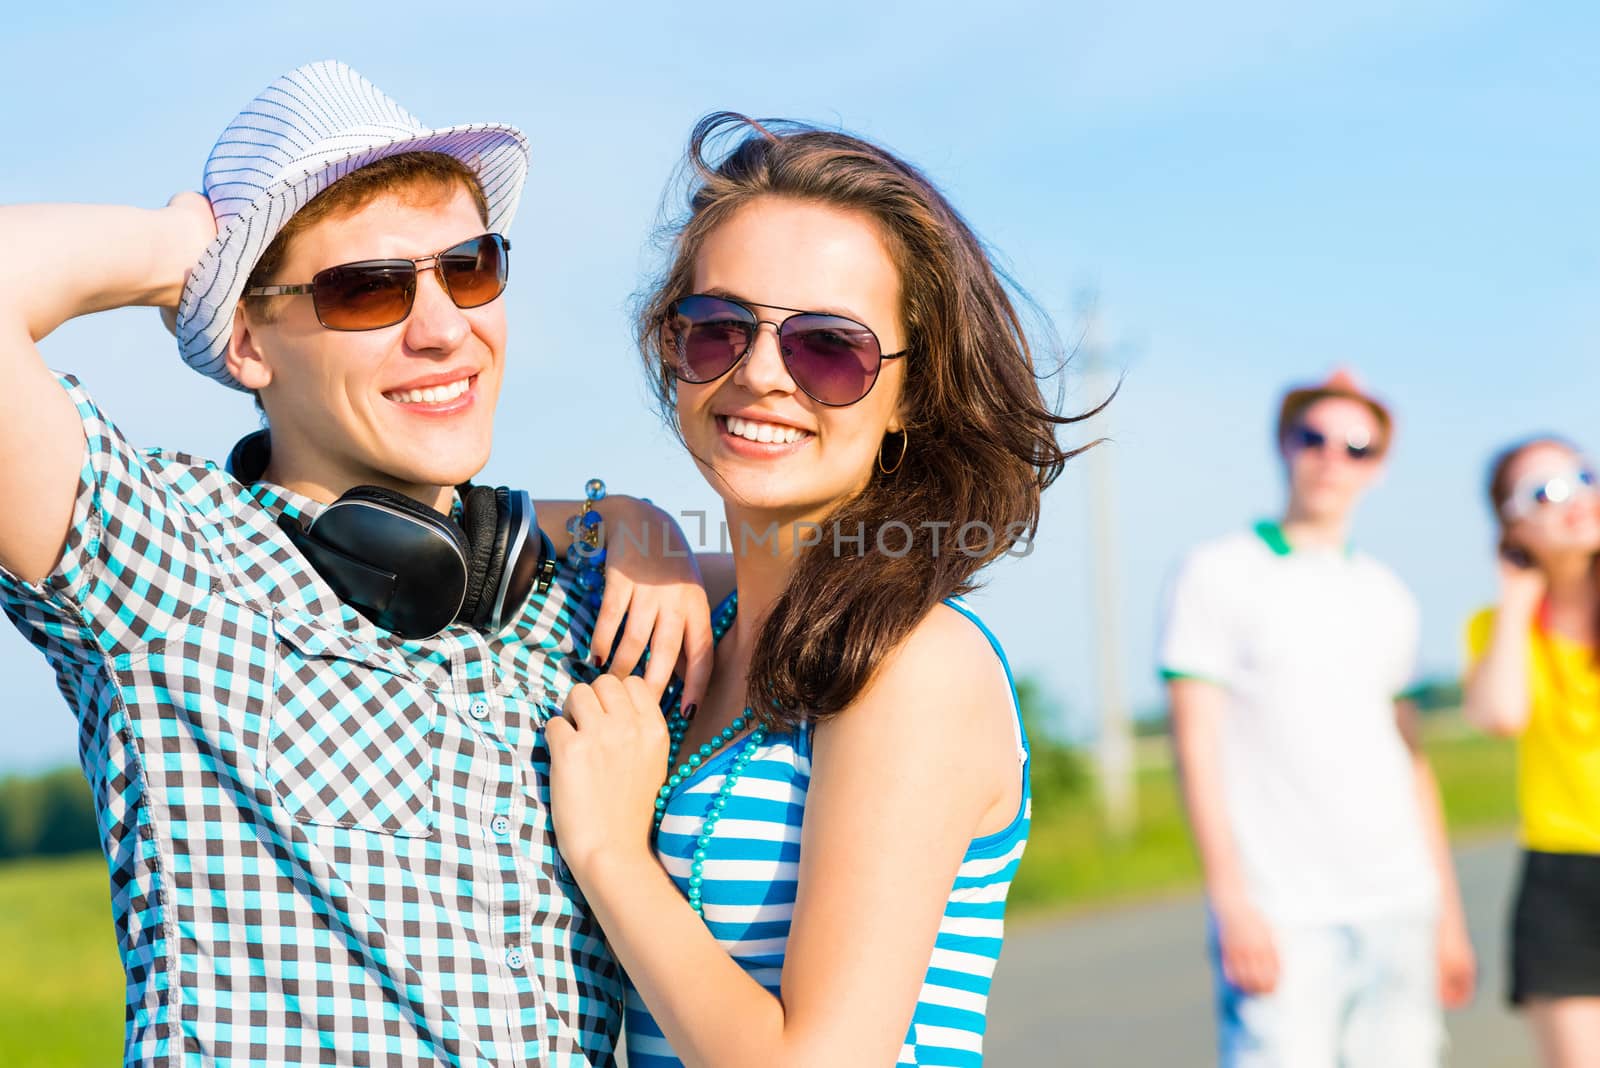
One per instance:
[(833, 359), (1559, 488), (372, 294)]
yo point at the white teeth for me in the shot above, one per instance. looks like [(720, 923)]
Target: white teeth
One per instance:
[(770, 433), (431, 395)]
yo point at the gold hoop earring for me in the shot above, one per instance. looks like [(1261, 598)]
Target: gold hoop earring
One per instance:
[(905, 445)]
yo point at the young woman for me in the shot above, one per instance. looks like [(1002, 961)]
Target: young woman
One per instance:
[(822, 880), (1536, 675)]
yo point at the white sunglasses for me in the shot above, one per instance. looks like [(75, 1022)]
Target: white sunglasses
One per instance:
[(1537, 491)]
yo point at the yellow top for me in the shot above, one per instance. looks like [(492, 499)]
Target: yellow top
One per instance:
[(1558, 754)]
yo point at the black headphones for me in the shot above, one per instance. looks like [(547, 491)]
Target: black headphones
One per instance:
[(410, 569)]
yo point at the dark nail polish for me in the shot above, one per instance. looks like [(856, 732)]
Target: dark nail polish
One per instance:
[(689, 712)]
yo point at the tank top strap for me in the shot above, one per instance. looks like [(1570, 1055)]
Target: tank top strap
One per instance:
[(960, 605)]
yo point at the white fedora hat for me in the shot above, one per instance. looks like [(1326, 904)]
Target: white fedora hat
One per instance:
[(304, 132)]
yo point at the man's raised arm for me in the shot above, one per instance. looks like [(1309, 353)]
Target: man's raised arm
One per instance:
[(63, 261)]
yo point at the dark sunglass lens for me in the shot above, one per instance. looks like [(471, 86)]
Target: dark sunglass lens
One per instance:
[(364, 296), (1307, 438), (475, 271), (834, 360), (704, 337)]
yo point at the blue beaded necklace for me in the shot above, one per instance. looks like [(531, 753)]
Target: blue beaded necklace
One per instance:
[(677, 726)]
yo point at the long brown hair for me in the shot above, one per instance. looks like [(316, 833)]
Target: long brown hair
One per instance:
[(982, 443), (1500, 489)]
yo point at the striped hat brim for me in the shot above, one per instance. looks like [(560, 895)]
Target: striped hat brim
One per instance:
[(496, 153)]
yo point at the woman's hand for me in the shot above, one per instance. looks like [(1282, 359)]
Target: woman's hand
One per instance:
[(653, 581), (1521, 588), (608, 759)]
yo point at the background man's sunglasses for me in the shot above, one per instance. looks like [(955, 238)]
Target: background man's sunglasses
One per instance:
[(1305, 437), (371, 294)]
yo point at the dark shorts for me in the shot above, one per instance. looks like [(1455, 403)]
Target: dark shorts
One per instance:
[(1555, 927)]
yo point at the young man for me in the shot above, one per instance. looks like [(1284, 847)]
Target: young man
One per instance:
[(1337, 926), (311, 702)]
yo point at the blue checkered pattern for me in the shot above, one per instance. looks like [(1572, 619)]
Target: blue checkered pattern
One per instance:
[(326, 845)]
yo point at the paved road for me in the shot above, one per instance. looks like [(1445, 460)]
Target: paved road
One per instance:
[(1130, 988)]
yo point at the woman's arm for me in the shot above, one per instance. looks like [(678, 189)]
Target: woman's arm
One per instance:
[(653, 581), (1497, 686), (902, 781)]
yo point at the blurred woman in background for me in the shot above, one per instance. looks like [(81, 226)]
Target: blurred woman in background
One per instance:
[(1535, 674)]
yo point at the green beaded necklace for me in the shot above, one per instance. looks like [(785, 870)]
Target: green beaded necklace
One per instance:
[(677, 726)]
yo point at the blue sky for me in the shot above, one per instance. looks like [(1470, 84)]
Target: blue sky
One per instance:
[(1256, 196)]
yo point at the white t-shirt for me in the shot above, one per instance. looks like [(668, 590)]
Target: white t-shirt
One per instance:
[(1312, 647)]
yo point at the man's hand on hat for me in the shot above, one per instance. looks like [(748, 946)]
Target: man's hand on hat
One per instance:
[(193, 227)]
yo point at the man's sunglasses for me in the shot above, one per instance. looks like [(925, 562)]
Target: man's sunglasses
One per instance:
[(833, 359), (1561, 488), (1304, 437), (372, 294)]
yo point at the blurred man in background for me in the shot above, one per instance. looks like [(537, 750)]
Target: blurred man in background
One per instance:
[(1336, 924)]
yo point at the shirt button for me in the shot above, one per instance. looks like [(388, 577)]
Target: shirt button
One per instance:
[(479, 710), (501, 826), (514, 960)]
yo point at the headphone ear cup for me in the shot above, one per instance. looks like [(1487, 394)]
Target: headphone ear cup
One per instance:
[(399, 502), (484, 518), (393, 559)]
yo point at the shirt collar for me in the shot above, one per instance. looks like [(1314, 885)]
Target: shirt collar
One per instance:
[(278, 500), (248, 461), (1271, 533)]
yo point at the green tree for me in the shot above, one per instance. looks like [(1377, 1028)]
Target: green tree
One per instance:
[(47, 813), (1058, 771)]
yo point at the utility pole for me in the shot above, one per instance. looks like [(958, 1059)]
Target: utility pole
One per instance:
[(1114, 750)]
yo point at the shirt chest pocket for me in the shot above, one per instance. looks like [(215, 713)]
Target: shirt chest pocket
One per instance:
[(353, 736)]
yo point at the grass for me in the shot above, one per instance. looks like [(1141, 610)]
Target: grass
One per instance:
[(61, 991), (61, 987), (1072, 860)]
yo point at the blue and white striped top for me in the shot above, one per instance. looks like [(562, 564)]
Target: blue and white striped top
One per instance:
[(751, 873)]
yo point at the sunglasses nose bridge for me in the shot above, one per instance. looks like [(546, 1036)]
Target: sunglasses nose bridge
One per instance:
[(756, 334), (435, 322), (764, 368), (432, 265)]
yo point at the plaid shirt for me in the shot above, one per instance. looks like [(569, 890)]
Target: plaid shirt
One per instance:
[(327, 845)]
